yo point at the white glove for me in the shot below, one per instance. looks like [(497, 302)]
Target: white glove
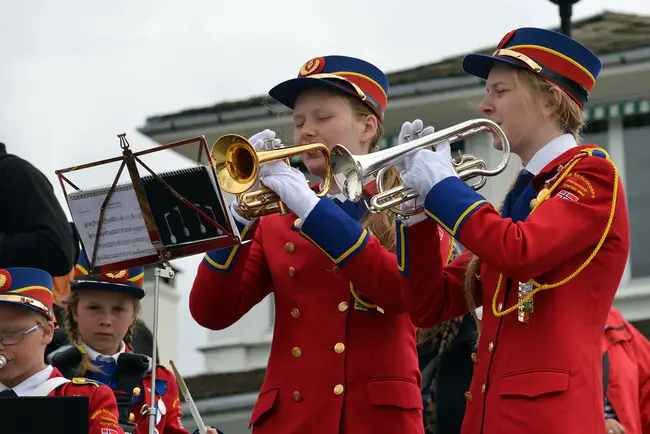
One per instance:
[(411, 131), (262, 141), (426, 168), (291, 185)]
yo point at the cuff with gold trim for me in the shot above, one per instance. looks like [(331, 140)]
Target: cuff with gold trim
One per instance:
[(450, 203), (337, 234), (222, 260), (402, 247)]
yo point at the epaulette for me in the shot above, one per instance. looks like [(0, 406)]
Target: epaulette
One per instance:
[(84, 380), (597, 152)]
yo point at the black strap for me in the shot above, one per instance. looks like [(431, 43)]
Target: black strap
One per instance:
[(66, 359), (131, 369)]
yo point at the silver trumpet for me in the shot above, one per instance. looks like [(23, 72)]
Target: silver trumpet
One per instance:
[(352, 172), (3, 361)]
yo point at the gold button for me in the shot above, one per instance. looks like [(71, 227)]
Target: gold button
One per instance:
[(343, 306), (482, 388), (289, 247), (499, 307), (474, 357), (297, 223), (339, 348), (296, 396), (136, 391), (295, 313), (468, 397), (338, 389), (297, 352), (490, 347), (131, 417), (292, 272)]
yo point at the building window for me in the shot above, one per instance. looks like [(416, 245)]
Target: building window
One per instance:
[(595, 133), (637, 161), (596, 126)]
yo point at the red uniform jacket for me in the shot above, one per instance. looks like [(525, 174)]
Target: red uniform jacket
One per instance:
[(628, 389), (335, 366), (544, 376), (102, 409), (168, 418)]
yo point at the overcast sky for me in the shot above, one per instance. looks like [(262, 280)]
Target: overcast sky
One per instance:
[(76, 73)]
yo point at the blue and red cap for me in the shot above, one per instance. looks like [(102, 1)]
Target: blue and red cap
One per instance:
[(28, 287), (129, 281), (552, 55), (349, 75)]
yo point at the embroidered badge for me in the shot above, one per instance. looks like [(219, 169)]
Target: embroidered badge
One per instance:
[(580, 185), (5, 280), (314, 66), (568, 196), (119, 275)]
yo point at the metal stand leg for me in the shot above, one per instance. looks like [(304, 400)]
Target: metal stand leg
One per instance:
[(165, 272)]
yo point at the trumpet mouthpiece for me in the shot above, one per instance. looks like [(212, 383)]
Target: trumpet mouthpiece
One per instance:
[(3, 361)]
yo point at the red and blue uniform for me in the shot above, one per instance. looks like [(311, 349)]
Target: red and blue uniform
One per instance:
[(564, 231)]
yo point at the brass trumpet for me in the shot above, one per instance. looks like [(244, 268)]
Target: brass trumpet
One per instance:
[(237, 166), (352, 172)]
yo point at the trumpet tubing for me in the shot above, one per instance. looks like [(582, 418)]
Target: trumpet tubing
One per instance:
[(352, 172), (237, 167)]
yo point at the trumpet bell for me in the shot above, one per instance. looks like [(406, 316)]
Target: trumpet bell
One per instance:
[(235, 162), (347, 172), (237, 165)]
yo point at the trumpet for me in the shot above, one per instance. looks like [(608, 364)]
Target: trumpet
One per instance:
[(237, 166), (352, 172)]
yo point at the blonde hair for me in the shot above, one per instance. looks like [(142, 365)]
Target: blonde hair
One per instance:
[(74, 336), (569, 118), (568, 115), (380, 225)]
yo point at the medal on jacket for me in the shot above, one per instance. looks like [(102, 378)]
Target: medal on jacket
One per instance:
[(526, 308)]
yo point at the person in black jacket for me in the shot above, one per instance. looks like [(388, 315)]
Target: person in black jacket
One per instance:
[(446, 359), (34, 230)]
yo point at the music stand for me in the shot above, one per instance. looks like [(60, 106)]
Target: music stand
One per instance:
[(49, 414), (163, 252)]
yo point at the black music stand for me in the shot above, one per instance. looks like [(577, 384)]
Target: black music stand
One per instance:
[(47, 414), (164, 252)]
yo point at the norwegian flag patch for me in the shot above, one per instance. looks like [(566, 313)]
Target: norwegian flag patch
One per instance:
[(568, 196), (108, 431)]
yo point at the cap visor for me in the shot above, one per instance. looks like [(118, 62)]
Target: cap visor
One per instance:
[(48, 316), (107, 286), (479, 65), (287, 92)]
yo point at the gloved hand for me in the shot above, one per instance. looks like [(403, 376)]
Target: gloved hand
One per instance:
[(426, 168), (291, 185), (262, 141), (411, 131)]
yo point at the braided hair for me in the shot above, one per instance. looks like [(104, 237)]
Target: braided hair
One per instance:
[(74, 335)]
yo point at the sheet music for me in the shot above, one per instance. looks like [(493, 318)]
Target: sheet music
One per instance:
[(124, 234)]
